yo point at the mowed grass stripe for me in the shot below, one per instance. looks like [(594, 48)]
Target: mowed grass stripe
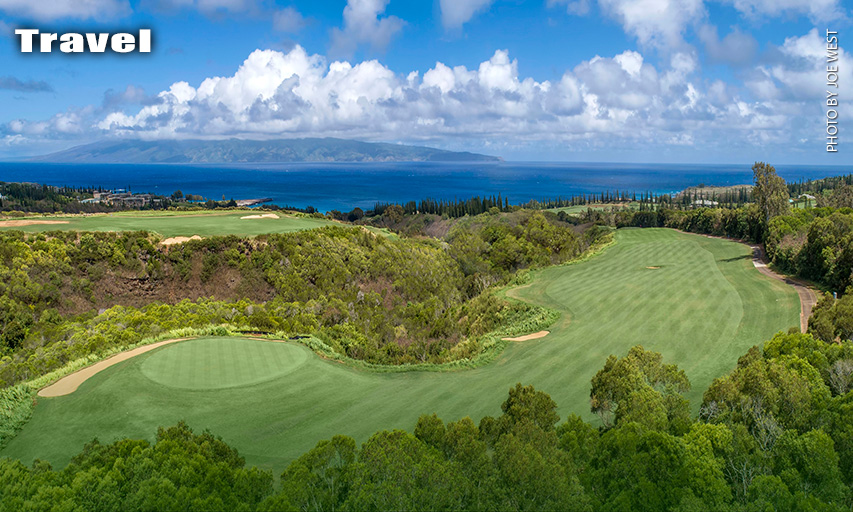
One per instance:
[(703, 309)]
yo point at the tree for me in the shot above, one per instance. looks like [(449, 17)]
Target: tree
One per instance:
[(841, 197), (641, 388), (319, 479), (770, 191)]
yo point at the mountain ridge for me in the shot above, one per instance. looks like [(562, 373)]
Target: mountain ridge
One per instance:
[(253, 151)]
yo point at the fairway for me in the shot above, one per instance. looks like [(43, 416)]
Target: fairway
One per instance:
[(171, 224), (697, 300)]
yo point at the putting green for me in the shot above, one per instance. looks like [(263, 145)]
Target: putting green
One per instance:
[(218, 363), (702, 309)]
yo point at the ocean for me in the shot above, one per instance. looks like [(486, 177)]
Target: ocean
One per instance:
[(343, 186)]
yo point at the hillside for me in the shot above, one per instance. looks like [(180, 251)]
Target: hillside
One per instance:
[(253, 151)]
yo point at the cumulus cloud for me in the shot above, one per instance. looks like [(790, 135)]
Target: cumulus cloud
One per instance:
[(655, 22), (618, 100), (797, 70), (736, 48), (288, 20), (296, 94), (131, 95), (455, 13), (816, 10), (10, 83), (49, 10), (364, 24), (65, 125)]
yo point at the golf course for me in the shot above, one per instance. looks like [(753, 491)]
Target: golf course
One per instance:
[(699, 301), (171, 224)]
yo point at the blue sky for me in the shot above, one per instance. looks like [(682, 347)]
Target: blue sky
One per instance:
[(705, 81)]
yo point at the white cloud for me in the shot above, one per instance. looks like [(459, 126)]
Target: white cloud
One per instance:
[(63, 125), (49, 10), (363, 25), (613, 101), (816, 10), (737, 47), (288, 20), (798, 70), (295, 94), (455, 13), (655, 22)]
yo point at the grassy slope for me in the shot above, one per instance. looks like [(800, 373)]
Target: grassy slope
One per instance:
[(702, 309), (171, 224)]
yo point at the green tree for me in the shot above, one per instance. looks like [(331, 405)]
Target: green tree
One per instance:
[(641, 388), (770, 191), (319, 480)]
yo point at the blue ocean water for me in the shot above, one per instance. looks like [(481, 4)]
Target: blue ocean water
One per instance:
[(343, 186)]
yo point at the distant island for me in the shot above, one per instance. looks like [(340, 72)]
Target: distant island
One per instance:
[(253, 151)]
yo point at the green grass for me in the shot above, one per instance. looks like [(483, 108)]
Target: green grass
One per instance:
[(702, 309), (169, 224), (219, 363), (578, 209)]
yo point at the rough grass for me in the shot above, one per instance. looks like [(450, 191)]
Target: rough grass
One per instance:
[(170, 224), (703, 309)]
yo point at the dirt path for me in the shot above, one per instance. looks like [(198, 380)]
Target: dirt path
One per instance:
[(808, 296), (528, 337), (69, 384)]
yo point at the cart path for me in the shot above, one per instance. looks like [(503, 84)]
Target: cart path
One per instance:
[(69, 384), (808, 295)]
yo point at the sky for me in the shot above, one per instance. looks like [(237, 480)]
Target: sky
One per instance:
[(694, 81)]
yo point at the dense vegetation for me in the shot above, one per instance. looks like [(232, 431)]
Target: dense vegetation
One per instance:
[(30, 197), (367, 297), (775, 434), (821, 187)]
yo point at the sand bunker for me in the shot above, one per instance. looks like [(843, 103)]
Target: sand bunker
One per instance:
[(28, 222), (264, 216), (528, 337), (179, 240), (69, 384)]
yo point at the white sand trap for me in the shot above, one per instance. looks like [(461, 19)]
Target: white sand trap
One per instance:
[(179, 240), (69, 384), (28, 222), (264, 216), (528, 337)]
